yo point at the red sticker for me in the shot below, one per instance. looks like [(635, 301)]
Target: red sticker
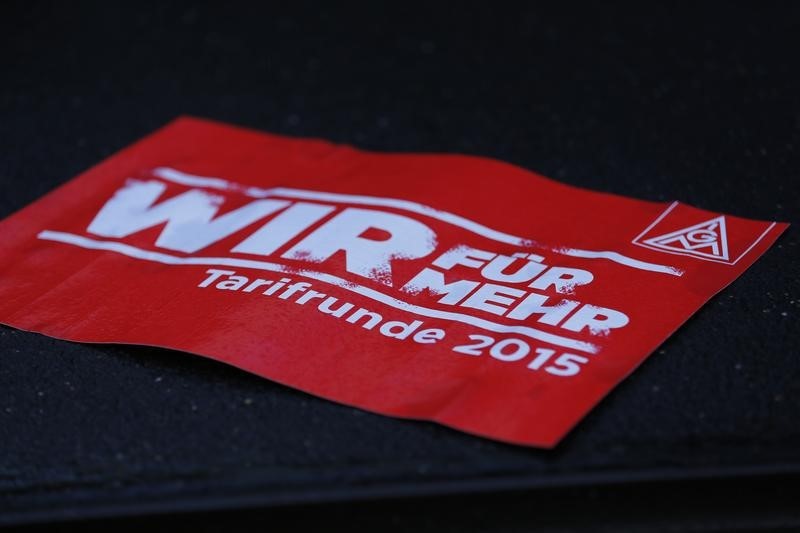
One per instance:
[(440, 287)]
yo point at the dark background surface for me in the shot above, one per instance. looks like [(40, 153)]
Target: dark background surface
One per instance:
[(698, 103)]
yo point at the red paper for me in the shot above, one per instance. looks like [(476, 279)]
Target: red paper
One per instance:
[(440, 287)]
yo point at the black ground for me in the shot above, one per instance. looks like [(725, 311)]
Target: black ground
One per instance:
[(699, 103)]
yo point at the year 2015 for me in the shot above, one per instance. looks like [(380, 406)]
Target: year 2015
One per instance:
[(511, 350)]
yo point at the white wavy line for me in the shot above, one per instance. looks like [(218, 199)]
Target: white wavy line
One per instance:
[(183, 178), (138, 253), (619, 258)]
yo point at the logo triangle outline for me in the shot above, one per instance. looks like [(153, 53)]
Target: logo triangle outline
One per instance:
[(707, 239)]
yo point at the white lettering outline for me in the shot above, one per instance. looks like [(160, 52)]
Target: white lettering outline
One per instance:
[(182, 178), (167, 259)]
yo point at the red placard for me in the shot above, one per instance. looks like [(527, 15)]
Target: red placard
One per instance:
[(440, 287)]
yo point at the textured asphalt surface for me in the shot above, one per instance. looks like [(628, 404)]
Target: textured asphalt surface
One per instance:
[(697, 103)]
